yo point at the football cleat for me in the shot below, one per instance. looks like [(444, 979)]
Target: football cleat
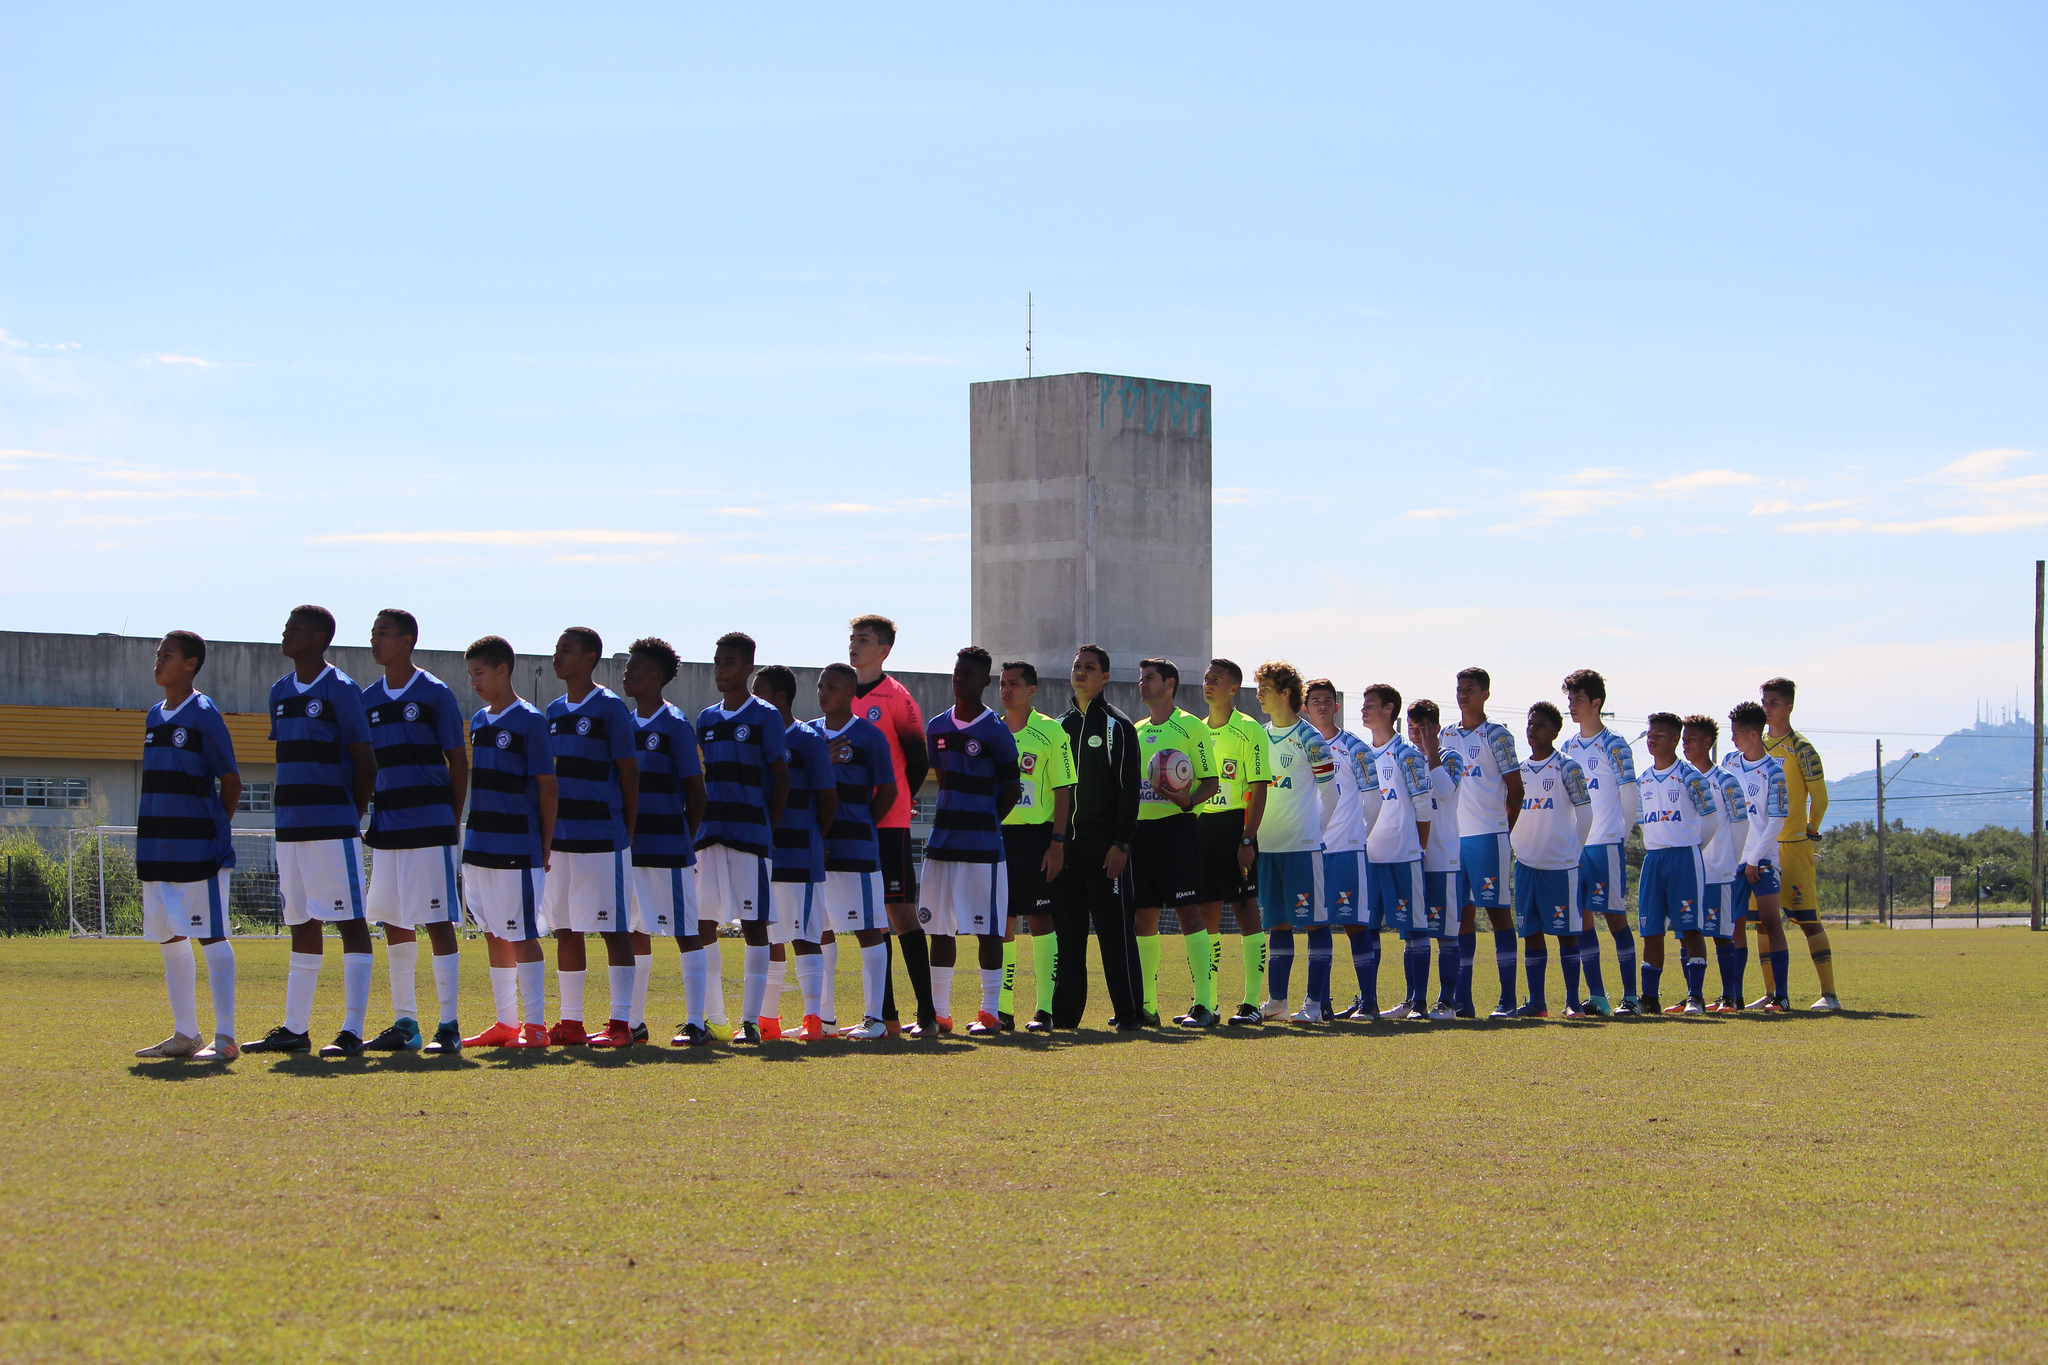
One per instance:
[(1574, 1011), (1443, 1012), (1151, 1019), (497, 1035), (1598, 1004), (1678, 1008), (1532, 1010), (811, 1030), (1247, 1013), (1040, 1022), (1467, 1012), (1007, 1022), (1650, 1005), (831, 1025), (1311, 1012), (617, 1033), (1827, 1004), (985, 1025), (345, 1044), (1405, 1010), (1693, 1005), (945, 1023), (447, 1039), (1273, 1010), (177, 1045), (771, 1028), (691, 1035), (749, 1031), (403, 1036), (1763, 1002), (1503, 1010), (279, 1039), (531, 1035), (567, 1033), (868, 1030), (639, 1033), (1777, 1004), (222, 1049), (1355, 1010), (1629, 1008), (1200, 1016), (1720, 1006)]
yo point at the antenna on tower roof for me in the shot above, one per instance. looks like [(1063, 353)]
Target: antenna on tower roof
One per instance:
[(1027, 336)]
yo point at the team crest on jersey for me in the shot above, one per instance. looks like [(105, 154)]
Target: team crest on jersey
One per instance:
[(178, 738), (313, 708), (1286, 759), (412, 710), (653, 743), (1095, 741), (1230, 769), (1028, 762), (740, 733), (874, 713), (1549, 782), (504, 740), (583, 725), (973, 747)]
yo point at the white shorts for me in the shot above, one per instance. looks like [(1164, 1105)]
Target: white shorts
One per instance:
[(852, 901), (587, 892), (413, 886), (964, 898), (799, 912), (732, 885), (505, 902), (186, 909), (665, 901), (321, 879)]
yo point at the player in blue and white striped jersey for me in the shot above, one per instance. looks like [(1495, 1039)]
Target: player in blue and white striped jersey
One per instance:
[(1610, 770), (184, 848), (598, 781), (1440, 863), (853, 893), (797, 863), (417, 734), (1489, 804), (1679, 817), (1344, 875), (326, 772), (1549, 836), (1397, 813), (664, 835)]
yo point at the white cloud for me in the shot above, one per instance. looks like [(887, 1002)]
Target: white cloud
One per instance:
[(1984, 523), (739, 511), (1977, 466), (1781, 506), (586, 536), (1603, 474), (168, 359), (1702, 479)]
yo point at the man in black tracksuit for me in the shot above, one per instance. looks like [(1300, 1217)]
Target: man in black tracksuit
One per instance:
[(1105, 817)]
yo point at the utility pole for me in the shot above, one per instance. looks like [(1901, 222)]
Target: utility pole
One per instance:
[(1884, 900), (1029, 359), (2038, 602)]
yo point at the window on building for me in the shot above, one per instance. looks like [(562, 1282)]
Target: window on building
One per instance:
[(255, 798), (45, 793)]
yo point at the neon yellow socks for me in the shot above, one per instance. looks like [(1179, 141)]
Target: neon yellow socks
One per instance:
[(1254, 946), (1044, 963), (1199, 958), (1007, 1001), (1148, 965)]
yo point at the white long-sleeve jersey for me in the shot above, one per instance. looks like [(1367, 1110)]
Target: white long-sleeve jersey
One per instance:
[(1610, 770), (1763, 792), (1344, 818), (1722, 854), (1441, 853), (1401, 786)]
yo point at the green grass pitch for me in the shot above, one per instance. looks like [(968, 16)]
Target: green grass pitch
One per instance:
[(1869, 1187)]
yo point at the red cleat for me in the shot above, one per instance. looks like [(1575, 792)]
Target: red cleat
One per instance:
[(531, 1035), (568, 1033), (945, 1023), (497, 1035), (812, 1030), (771, 1028), (617, 1033), (985, 1025)]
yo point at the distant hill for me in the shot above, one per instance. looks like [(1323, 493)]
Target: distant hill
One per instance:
[(1975, 777)]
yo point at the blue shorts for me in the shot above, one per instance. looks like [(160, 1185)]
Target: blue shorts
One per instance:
[(1745, 893), (1547, 900), (1719, 921), (1437, 890), (1603, 880), (1344, 888), (1483, 862), (1290, 890), (1397, 899), (1671, 893)]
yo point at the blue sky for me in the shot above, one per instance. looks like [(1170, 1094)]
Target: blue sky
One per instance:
[(1695, 345)]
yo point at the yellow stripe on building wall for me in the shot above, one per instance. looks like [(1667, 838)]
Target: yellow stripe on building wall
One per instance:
[(109, 732)]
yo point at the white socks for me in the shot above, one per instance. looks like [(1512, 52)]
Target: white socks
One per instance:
[(874, 979), (571, 984), (991, 989), (355, 991), (181, 979), (714, 984), (504, 993), (942, 991), (447, 980), (220, 979), (300, 983), (828, 1000), (533, 989), (621, 980), (693, 985), (754, 983), (643, 968), (771, 997), (810, 978), (403, 959)]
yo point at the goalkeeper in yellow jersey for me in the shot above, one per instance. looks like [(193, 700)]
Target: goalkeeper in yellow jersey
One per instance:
[(1806, 786)]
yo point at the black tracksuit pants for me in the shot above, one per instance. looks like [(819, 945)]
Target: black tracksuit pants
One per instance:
[(1084, 894)]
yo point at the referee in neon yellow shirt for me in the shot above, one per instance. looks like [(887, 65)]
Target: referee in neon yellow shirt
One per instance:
[(1034, 837)]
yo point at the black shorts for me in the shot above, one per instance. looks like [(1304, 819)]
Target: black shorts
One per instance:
[(1024, 849), (1221, 880), (899, 870), (1166, 863)]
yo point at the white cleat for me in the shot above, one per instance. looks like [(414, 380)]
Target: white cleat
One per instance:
[(1404, 1010), (868, 1030), (1827, 1004), (1443, 1014), (1273, 1009), (177, 1045), (224, 1049), (1311, 1012), (1695, 1005)]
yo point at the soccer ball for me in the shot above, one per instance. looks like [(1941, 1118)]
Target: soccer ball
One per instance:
[(1170, 773)]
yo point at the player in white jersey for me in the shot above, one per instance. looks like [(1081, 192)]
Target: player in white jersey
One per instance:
[(1343, 855), (1680, 817), (1397, 812), (1557, 815), (1603, 874), (1756, 884), (1489, 804), (1722, 856), (1440, 862), (1291, 831)]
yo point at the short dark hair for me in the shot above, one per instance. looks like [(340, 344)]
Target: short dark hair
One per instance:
[(1747, 715), (1318, 685), (1101, 655), (838, 670), (661, 652), (493, 650), (1165, 668), (1387, 693), (1480, 676), (189, 644), (1670, 720), (1707, 723), (402, 618), (1281, 676), (737, 639), (1784, 687), (976, 654), (1424, 712), (320, 614), (1024, 666), (882, 626), (1546, 710), (1225, 665), (779, 680), (1586, 681), (592, 642)]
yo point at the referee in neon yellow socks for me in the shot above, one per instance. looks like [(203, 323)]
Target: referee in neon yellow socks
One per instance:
[(1034, 838)]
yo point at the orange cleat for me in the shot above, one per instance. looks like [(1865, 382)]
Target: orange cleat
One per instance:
[(771, 1028), (812, 1030), (531, 1035), (1678, 1008), (945, 1023), (617, 1033), (568, 1033), (497, 1035), (985, 1025)]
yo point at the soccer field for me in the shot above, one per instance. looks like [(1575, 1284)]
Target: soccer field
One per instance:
[(1862, 1187)]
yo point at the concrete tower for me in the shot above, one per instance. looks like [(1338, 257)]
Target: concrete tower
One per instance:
[(1091, 519)]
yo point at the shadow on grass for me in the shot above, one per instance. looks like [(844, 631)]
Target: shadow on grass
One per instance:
[(179, 1069)]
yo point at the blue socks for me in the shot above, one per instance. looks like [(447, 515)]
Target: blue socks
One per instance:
[(1537, 961), (1448, 958), (1741, 959), (1365, 960), (1415, 966), (1504, 942), (1653, 978), (1320, 951), (1625, 951), (1696, 977), (1573, 958), (1279, 961), (1468, 944), (1781, 970), (1589, 960), (1724, 958)]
